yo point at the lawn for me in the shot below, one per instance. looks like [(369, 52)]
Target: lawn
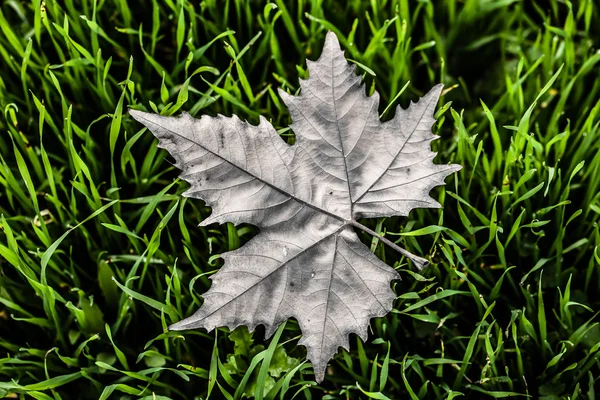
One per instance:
[(99, 251)]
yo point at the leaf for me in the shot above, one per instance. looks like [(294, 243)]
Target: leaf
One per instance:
[(307, 262)]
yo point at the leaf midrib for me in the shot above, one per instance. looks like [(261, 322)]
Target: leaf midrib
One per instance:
[(339, 131), (281, 265), (303, 202), (397, 153)]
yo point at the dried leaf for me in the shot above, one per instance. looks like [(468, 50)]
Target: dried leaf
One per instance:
[(307, 262)]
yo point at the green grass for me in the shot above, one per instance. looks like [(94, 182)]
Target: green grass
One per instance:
[(99, 252)]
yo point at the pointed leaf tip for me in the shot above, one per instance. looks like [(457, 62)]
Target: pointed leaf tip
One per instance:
[(137, 114)]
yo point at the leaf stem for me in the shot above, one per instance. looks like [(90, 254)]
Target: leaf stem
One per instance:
[(419, 262)]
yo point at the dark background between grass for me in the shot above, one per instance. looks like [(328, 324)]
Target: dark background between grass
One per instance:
[(508, 306)]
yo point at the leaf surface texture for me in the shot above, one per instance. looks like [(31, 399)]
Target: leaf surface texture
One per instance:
[(307, 262)]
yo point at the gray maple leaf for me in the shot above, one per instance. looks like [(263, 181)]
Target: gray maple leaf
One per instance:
[(307, 262)]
